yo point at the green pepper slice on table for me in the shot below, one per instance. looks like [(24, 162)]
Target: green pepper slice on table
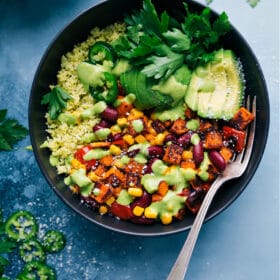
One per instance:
[(32, 250), (53, 241), (36, 271), (21, 225), (100, 52), (108, 91)]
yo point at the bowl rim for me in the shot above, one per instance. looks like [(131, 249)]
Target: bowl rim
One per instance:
[(76, 208)]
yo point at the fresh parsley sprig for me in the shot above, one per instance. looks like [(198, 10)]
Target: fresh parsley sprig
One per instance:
[(159, 45), (56, 100), (10, 131)]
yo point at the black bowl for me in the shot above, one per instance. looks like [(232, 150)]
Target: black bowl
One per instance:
[(77, 31)]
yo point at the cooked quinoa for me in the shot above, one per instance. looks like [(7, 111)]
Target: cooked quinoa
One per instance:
[(64, 139)]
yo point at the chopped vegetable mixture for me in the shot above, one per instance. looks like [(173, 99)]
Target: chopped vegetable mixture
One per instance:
[(158, 115)]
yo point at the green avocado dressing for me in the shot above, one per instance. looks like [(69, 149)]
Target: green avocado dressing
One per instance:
[(172, 114)]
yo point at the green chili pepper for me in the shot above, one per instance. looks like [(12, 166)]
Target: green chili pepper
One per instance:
[(21, 225), (100, 52), (36, 271), (108, 92), (53, 241), (32, 250)]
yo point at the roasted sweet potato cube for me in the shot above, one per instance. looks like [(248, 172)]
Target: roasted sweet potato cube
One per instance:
[(242, 118), (213, 140), (134, 167), (115, 171), (179, 127), (132, 180), (105, 192), (205, 126), (173, 154), (226, 153), (123, 109)]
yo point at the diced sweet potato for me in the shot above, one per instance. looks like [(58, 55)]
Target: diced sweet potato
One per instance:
[(226, 153), (179, 127), (123, 109), (104, 193), (242, 118), (162, 188), (173, 154), (132, 180), (115, 171), (213, 140), (134, 167), (205, 126), (188, 164), (107, 160)]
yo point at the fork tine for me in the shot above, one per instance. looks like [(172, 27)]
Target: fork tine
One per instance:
[(250, 138)]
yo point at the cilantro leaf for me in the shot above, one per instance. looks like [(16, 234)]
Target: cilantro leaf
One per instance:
[(10, 132), (57, 100), (164, 64), (178, 41)]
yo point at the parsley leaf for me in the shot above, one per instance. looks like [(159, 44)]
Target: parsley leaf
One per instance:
[(10, 132), (178, 40), (56, 100), (164, 64), (158, 45), (253, 3)]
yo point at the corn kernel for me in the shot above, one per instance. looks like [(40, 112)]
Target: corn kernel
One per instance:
[(166, 218), (149, 213), (138, 211), (93, 177), (110, 201), (128, 139), (115, 150), (122, 122), (103, 209), (75, 189), (135, 114), (115, 129), (137, 192), (159, 139), (77, 164), (140, 139), (187, 155)]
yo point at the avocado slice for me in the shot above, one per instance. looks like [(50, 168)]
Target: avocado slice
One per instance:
[(216, 89)]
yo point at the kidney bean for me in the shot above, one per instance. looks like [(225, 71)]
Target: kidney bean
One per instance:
[(97, 127), (143, 201), (103, 124), (117, 137), (170, 138), (155, 151), (185, 139), (198, 154), (110, 114), (217, 159), (133, 153)]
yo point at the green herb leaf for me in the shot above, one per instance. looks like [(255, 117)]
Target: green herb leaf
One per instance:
[(178, 41), (56, 100), (253, 3), (164, 64), (10, 131), (6, 246)]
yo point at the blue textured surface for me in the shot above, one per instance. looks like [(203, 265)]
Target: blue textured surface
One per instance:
[(241, 243)]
